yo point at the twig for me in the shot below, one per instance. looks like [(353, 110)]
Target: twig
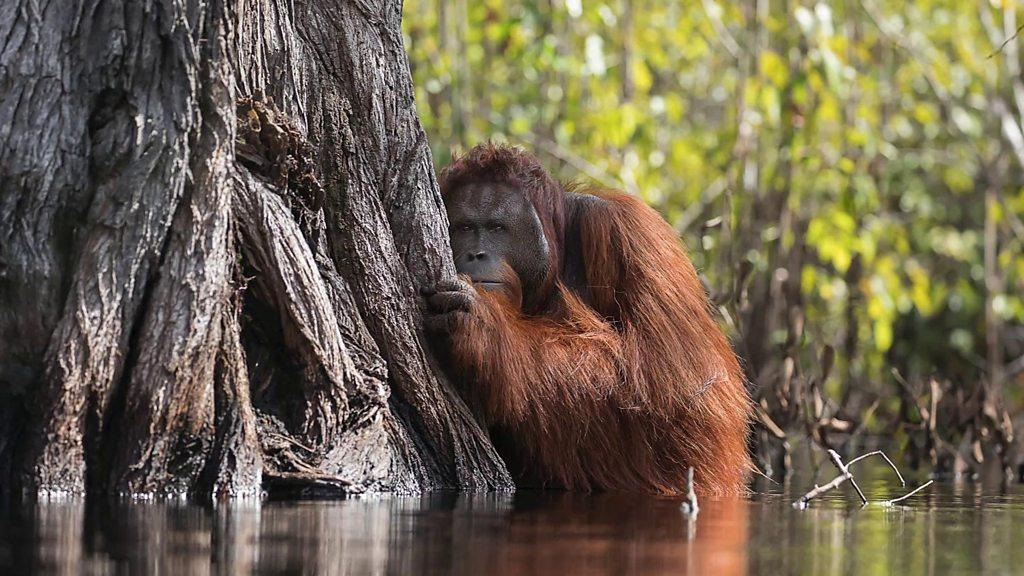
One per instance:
[(908, 494), (801, 503), (845, 470), (1007, 41), (882, 454), (728, 42), (595, 173), (579, 163), (846, 475)]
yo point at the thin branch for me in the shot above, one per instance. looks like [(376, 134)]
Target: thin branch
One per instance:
[(838, 461), (801, 503), (882, 454), (1011, 128), (1007, 41), (559, 152), (908, 494), (846, 475), (584, 166), (713, 11)]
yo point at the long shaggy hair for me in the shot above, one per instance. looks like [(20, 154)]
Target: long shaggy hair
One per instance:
[(621, 384)]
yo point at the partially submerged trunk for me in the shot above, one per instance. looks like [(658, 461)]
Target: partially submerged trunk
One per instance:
[(214, 217)]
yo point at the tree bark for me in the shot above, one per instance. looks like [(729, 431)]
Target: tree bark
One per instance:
[(214, 218)]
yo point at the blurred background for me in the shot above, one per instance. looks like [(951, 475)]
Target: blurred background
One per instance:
[(848, 177)]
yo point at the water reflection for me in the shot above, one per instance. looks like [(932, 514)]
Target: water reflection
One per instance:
[(959, 528)]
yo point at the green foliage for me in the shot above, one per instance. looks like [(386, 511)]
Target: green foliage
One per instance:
[(849, 148)]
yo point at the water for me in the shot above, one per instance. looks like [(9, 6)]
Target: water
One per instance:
[(963, 528)]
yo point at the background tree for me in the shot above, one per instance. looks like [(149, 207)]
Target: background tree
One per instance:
[(213, 219)]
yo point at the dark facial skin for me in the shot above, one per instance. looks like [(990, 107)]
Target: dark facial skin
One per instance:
[(491, 224)]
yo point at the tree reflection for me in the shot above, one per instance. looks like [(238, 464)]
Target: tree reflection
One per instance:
[(960, 528)]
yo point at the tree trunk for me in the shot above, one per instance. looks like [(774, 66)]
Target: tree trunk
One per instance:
[(214, 217)]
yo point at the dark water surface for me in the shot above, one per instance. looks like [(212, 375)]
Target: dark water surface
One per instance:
[(963, 528)]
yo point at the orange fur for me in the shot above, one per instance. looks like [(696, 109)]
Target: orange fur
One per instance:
[(621, 386)]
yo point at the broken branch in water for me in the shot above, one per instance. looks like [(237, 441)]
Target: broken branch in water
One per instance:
[(846, 475), (835, 483)]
